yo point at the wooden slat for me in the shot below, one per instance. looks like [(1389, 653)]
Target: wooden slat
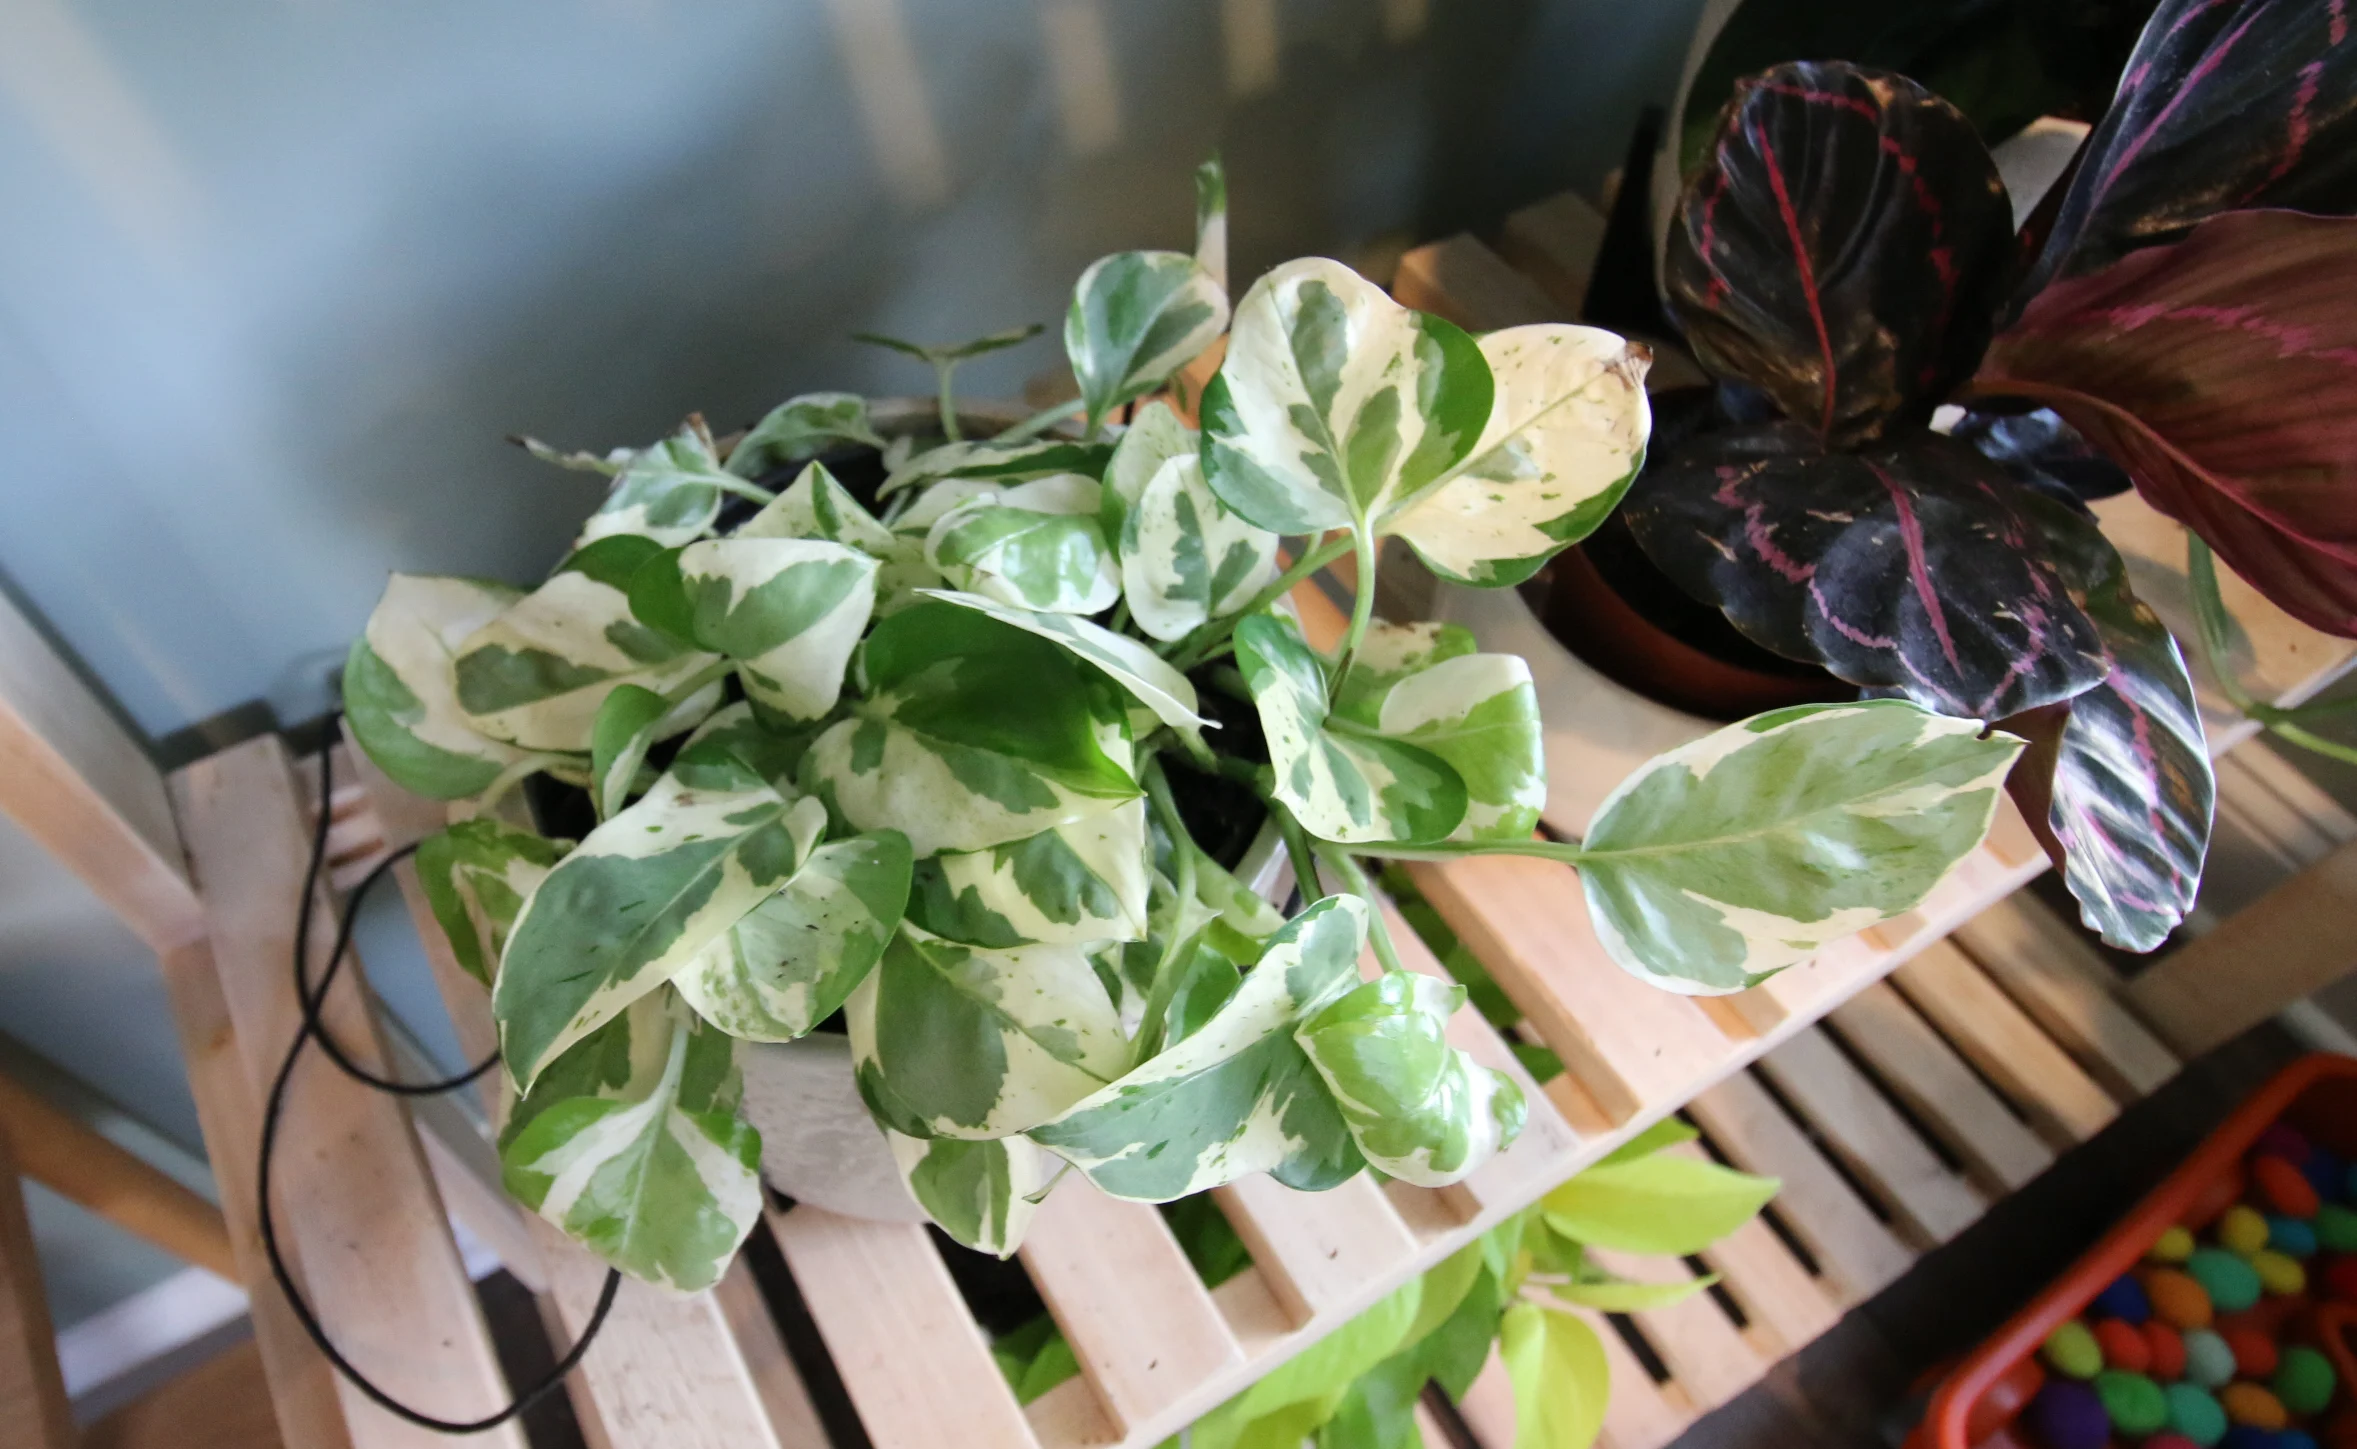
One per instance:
[(355, 1195), (62, 1153), (1632, 1045), (1932, 1080), (2062, 1101), (84, 788), (1138, 1318), (1706, 1354), (32, 1391), (1317, 1249), (885, 1305), (2327, 821), (2292, 941), (222, 1403), (1872, 1138), (785, 1401), (2047, 967), (1554, 243), (1461, 279), (1787, 1305)]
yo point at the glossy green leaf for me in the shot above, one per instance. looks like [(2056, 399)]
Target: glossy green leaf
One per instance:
[(1238, 1096), (1136, 318), (1747, 850), (1336, 406), (1312, 1383), (977, 1192), (1136, 668), (642, 896), (401, 696), (1620, 1296), (789, 611), (632, 1145), (618, 744), (1560, 1377), (1421, 1110), (978, 1043), (1185, 557), (669, 492), (1668, 1132), (1000, 463), (788, 963), (1343, 783), (1566, 435), (1663, 1203), (1078, 883), (1477, 712), (477, 875), (816, 505), (1038, 545), (973, 734), (537, 674), (802, 427)]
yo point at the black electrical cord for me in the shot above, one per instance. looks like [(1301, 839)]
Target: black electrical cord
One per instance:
[(311, 999)]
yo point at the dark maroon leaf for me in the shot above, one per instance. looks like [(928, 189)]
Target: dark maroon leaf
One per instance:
[(2122, 773), (2040, 449), (1913, 565), (1844, 249), (2225, 105), (2221, 372)]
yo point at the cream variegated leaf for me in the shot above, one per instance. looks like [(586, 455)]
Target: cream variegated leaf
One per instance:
[(631, 1143), (1480, 713), (1132, 665), (669, 492), (1001, 464), (788, 963), (1336, 406), (802, 427), (1420, 1109), (1075, 884), (401, 695), (477, 875), (1211, 220), (817, 505), (789, 611), (1238, 1095), (1745, 851), (1038, 545), (980, 1193), (1136, 318), (1566, 436), (1185, 558)]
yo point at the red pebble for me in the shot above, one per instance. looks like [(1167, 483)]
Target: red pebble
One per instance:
[(2254, 1352), (2340, 1279), (2285, 1187), (2123, 1346), (2268, 1317), (2216, 1196), (2167, 1349), (2170, 1441)]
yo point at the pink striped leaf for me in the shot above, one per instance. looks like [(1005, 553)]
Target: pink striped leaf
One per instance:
[(1844, 249)]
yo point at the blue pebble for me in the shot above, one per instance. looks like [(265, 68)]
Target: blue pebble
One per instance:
[(2325, 1172), (2247, 1436), (2349, 1184), (2294, 1439), (2291, 1237), (2123, 1300)]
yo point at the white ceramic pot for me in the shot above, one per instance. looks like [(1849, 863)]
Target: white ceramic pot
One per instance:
[(818, 1144)]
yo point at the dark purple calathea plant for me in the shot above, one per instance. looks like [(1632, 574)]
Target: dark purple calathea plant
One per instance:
[(1847, 250)]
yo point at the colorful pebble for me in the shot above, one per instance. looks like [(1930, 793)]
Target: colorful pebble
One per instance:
[(2172, 1441), (2249, 1404), (2304, 1381), (2242, 1229), (2291, 1237), (2209, 1362), (2284, 1187), (2124, 1299), (2067, 1415), (2254, 1352), (2167, 1349), (2123, 1346), (2288, 1439), (2179, 1299), (2279, 1274), (2175, 1245), (2225, 1278), (2072, 1351), (2134, 1403), (2325, 1172), (2195, 1414), (2247, 1436), (2336, 1228)]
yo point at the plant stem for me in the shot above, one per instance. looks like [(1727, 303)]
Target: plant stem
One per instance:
[(2211, 624), (1297, 850), (942, 368), (2330, 749), (717, 669), (507, 779), (1362, 606), (1196, 647), (728, 483), (1378, 929), (1570, 852), (1039, 422)]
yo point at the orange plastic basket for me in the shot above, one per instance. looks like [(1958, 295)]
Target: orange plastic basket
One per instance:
[(1972, 1406)]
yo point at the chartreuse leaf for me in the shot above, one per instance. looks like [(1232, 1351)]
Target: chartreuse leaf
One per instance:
[(789, 611), (1566, 435), (973, 733), (787, 964), (1136, 318), (1662, 1203), (1336, 406), (1419, 1108), (537, 674), (400, 694), (1746, 850), (642, 896), (1078, 883), (1668, 1132), (618, 744), (631, 1143), (1346, 784), (1618, 1296), (669, 492), (980, 1193), (1185, 557), (1282, 1409), (1239, 1095), (1560, 1378), (1479, 713), (1037, 544), (802, 427), (477, 875), (1132, 665)]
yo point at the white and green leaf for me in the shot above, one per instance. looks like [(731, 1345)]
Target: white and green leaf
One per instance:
[(1566, 436), (401, 695), (1480, 714), (817, 505), (789, 611), (1211, 221), (1185, 558), (1037, 544), (632, 1145), (1076, 884), (791, 961), (1745, 851), (802, 427), (980, 1193), (1421, 1110), (1336, 406), (669, 492), (1154, 437), (1239, 1095), (618, 745), (1136, 318), (1001, 463), (1136, 668), (477, 875)]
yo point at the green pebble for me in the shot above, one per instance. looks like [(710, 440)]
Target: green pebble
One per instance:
[(2072, 1351), (2134, 1404), (2304, 1381), (2208, 1361), (2336, 1228), (2195, 1414), (2232, 1284)]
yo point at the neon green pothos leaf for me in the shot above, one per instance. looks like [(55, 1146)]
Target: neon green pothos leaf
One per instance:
[(789, 611), (402, 697), (1038, 545), (631, 1144), (1745, 851), (1561, 1381), (1614, 1295), (477, 875), (1664, 1203), (1136, 318), (1420, 1109)]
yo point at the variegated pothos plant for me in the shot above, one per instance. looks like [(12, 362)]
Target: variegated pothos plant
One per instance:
[(925, 763)]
